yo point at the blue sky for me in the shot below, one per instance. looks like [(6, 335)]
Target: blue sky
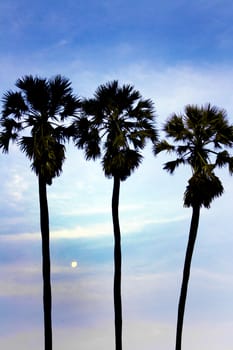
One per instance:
[(175, 53)]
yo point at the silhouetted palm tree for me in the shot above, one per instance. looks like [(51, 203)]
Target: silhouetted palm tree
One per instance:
[(116, 124), (37, 110), (202, 135)]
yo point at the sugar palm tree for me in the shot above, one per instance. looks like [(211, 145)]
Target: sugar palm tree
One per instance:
[(32, 117), (115, 125), (202, 136)]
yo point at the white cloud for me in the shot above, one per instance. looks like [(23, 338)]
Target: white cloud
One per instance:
[(172, 87), (17, 185), (94, 210), (97, 229)]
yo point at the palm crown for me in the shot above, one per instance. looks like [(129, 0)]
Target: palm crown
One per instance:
[(38, 110), (201, 136), (39, 105), (115, 125), (120, 118)]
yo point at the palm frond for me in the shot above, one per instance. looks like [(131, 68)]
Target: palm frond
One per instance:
[(224, 159), (121, 164), (26, 144), (59, 87), (47, 156), (172, 165), (13, 105), (92, 146), (62, 100), (71, 107), (230, 165), (10, 132), (36, 92), (86, 137), (202, 189), (175, 128), (63, 133), (163, 146), (183, 149)]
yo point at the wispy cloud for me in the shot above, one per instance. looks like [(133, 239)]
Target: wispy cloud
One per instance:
[(16, 187), (96, 229)]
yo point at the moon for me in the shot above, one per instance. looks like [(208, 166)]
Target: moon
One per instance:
[(74, 264)]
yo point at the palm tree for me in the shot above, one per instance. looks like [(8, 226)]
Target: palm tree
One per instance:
[(115, 125), (202, 136), (38, 108)]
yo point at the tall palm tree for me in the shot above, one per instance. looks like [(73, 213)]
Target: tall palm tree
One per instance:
[(202, 136), (37, 110), (115, 125)]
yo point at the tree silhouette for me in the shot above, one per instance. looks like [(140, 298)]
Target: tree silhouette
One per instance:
[(202, 136), (37, 110), (115, 126)]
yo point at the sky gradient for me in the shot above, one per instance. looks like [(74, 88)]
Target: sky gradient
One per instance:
[(175, 53)]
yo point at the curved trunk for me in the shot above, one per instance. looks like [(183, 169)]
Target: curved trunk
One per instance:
[(186, 273), (117, 264), (47, 298)]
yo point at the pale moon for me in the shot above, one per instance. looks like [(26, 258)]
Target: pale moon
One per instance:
[(74, 264)]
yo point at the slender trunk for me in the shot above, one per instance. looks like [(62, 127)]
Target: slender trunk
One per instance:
[(186, 273), (47, 298), (117, 264)]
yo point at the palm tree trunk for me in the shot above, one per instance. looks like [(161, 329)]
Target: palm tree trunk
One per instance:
[(47, 298), (117, 264), (186, 273)]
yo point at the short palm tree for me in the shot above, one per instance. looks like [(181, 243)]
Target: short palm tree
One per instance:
[(202, 136), (38, 109), (116, 124)]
